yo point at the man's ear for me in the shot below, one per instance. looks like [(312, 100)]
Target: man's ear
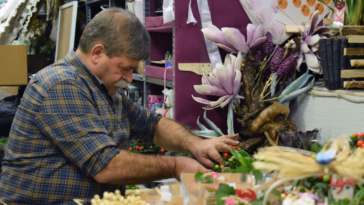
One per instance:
[(97, 52)]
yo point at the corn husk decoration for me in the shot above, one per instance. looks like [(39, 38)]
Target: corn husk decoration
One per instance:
[(335, 158)]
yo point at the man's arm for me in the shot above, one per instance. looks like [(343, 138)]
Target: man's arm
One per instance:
[(131, 168), (173, 136)]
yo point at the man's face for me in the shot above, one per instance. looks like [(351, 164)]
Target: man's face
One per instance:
[(117, 72)]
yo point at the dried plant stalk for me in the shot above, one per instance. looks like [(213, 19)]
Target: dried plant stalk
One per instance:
[(291, 164)]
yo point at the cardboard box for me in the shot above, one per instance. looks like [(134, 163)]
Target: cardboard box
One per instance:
[(6, 91), (13, 70), (13, 90)]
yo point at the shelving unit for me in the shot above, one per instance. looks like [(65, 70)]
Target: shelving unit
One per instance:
[(154, 74), (89, 3), (138, 77)]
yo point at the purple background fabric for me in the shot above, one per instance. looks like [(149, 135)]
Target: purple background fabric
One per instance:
[(156, 21), (190, 48)]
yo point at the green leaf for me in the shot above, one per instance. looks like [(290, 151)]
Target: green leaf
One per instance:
[(230, 170), (199, 177), (3, 141), (230, 119), (258, 201), (332, 9), (205, 133), (201, 126), (273, 85), (296, 183), (249, 160), (316, 147), (232, 165), (306, 183), (243, 169), (243, 153), (292, 95), (237, 156), (275, 192), (212, 125), (224, 191), (257, 174)]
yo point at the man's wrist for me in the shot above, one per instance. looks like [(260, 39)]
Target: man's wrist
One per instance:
[(192, 143), (168, 167)]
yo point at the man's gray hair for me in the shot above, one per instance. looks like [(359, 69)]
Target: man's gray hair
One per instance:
[(120, 32)]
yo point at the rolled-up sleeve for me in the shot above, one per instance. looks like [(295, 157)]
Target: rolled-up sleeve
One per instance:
[(69, 119), (142, 121)]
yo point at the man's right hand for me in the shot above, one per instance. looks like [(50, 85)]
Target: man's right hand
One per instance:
[(187, 165)]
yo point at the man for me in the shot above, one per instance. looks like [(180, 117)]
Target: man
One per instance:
[(69, 136)]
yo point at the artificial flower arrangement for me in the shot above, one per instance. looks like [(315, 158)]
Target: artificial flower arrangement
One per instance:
[(252, 81)]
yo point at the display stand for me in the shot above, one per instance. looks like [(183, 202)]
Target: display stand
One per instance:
[(188, 46)]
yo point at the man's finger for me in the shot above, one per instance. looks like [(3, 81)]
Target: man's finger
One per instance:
[(207, 162), (204, 170), (229, 141), (214, 155), (221, 147), (235, 136)]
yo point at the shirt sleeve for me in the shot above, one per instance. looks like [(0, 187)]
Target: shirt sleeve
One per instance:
[(142, 121), (69, 119)]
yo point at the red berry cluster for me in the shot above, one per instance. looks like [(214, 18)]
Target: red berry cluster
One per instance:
[(138, 146), (357, 139)]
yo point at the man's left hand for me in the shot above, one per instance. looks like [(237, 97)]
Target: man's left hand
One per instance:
[(207, 151)]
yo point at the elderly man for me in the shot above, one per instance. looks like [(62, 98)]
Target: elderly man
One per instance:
[(69, 136)]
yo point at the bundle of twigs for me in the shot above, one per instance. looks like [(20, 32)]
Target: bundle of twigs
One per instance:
[(291, 164)]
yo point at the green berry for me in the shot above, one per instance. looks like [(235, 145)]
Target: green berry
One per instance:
[(231, 159), (217, 166), (231, 146), (239, 149), (226, 163), (326, 178), (222, 166), (151, 147), (352, 136), (314, 156)]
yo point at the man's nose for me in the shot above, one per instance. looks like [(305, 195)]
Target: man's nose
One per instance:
[(128, 76)]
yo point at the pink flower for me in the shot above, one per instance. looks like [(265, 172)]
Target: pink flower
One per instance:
[(231, 39), (224, 81), (309, 43), (229, 201), (214, 175)]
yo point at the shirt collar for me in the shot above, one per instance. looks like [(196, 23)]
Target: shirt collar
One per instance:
[(73, 59)]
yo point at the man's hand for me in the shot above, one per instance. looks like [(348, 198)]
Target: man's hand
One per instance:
[(207, 151), (187, 165)]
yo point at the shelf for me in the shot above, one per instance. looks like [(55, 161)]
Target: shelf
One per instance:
[(155, 24), (159, 82), (138, 77), (158, 72), (97, 2)]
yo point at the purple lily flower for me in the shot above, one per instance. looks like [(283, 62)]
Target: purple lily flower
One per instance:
[(224, 81), (232, 40), (309, 43)]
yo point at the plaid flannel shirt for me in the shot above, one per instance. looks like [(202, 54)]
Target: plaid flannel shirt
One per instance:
[(66, 130)]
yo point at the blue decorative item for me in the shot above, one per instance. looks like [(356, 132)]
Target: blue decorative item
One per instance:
[(326, 157)]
